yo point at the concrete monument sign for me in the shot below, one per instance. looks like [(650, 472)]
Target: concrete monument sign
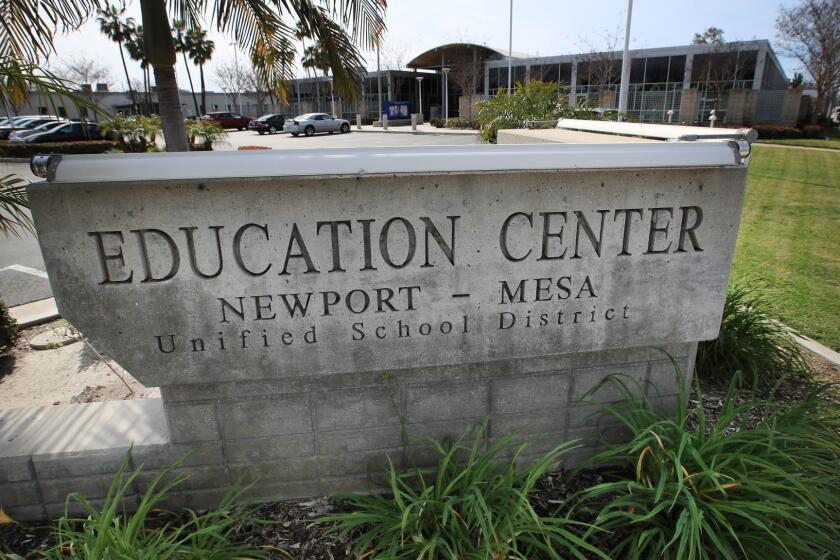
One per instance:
[(299, 310)]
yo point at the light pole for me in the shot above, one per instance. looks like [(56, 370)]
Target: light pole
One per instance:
[(379, 82), (625, 66), (420, 85), (332, 97), (235, 46), (510, 44), (446, 95)]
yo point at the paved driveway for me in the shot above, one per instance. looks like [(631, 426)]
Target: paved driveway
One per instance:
[(355, 138)]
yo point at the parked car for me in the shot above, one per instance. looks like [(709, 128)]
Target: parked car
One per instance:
[(270, 123), (19, 135), (25, 123), (228, 120), (68, 132), (311, 123)]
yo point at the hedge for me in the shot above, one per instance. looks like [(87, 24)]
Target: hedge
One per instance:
[(23, 149), (777, 132)]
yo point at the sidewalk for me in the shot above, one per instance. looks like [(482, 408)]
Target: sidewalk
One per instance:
[(424, 128)]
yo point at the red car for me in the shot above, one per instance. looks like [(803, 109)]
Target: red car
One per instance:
[(228, 120)]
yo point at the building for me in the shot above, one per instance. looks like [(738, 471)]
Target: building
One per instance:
[(742, 82)]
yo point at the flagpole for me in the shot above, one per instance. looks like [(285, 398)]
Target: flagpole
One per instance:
[(625, 66), (510, 45)]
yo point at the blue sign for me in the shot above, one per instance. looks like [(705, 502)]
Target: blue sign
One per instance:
[(397, 109)]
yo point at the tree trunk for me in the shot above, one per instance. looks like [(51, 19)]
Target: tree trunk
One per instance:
[(171, 116), (203, 90), (192, 89), (128, 80), (160, 51)]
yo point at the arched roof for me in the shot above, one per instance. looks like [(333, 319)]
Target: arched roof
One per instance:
[(432, 58)]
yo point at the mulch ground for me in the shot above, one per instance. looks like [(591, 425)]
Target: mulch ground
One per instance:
[(291, 530)]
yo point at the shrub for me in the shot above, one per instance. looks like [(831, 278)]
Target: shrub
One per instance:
[(208, 131), (473, 505), (8, 327), (437, 123), (22, 149), (534, 101), (105, 533), (752, 340), (813, 131), (721, 490), (462, 123), (776, 132), (133, 133)]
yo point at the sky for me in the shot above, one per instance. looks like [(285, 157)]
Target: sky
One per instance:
[(540, 27)]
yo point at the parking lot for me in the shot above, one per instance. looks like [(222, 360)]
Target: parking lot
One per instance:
[(367, 137)]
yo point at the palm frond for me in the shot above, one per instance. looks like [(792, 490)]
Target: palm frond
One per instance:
[(19, 79), (28, 27), (14, 218)]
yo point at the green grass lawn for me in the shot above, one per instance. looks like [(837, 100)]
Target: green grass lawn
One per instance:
[(789, 241), (832, 144)]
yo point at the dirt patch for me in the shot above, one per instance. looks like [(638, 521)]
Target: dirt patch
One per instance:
[(74, 373)]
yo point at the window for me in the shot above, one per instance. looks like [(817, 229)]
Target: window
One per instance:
[(518, 75), (637, 70), (746, 65), (656, 70), (566, 73), (677, 71), (62, 112)]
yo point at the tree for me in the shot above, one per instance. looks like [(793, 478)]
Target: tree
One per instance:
[(810, 33), (137, 52), (711, 36), (82, 70), (343, 26), (181, 46), (201, 50), (120, 31), (600, 66), (17, 81), (467, 72), (231, 78), (316, 57), (717, 71), (255, 86)]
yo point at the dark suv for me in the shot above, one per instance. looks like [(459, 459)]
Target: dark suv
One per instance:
[(228, 120), (268, 123)]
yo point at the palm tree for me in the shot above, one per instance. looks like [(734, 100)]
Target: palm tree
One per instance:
[(120, 31), (182, 47), (201, 50), (17, 81), (343, 26), (315, 57), (137, 52)]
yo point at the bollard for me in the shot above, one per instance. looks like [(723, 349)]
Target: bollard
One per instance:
[(358, 121), (414, 121), (384, 122), (670, 115), (712, 118)]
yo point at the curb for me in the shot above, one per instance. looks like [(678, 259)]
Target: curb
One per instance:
[(815, 347), (419, 132), (35, 313)]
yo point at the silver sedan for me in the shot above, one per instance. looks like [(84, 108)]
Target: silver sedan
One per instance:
[(312, 123)]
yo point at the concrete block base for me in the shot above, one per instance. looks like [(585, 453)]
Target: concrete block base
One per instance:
[(308, 437)]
